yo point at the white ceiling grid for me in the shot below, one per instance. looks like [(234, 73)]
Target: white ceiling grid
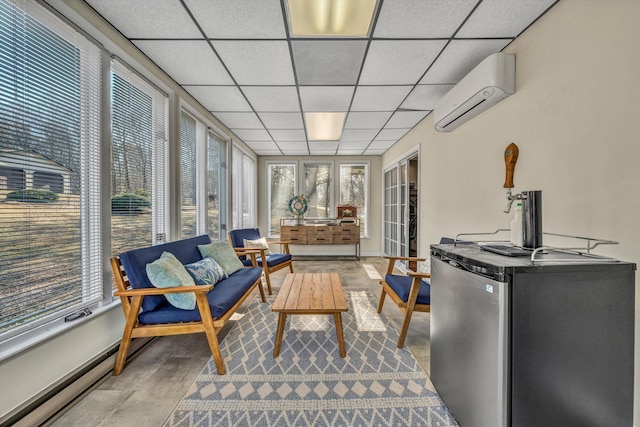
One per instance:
[(238, 59)]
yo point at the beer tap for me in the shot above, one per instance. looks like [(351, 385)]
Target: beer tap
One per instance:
[(510, 159)]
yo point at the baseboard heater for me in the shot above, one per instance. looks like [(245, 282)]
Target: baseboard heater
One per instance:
[(53, 402)]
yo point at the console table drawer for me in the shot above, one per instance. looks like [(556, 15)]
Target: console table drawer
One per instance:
[(321, 235), (296, 235)]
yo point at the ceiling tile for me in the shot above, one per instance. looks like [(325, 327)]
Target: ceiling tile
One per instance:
[(288, 135), (326, 98), (405, 119), (328, 62), (391, 134), (293, 145), (371, 152), (139, 19), (348, 152), (282, 120), (237, 19), (381, 145), (460, 57), (240, 120), (354, 145), (399, 61), (425, 97), (369, 120), (422, 18), (379, 98), (253, 134), (502, 18), (358, 134), (327, 148), (273, 98), (296, 152), (219, 98), (172, 55), (257, 62)]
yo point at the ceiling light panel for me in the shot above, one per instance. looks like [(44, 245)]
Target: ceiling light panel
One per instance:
[(240, 120), (405, 119), (422, 18), (502, 18), (425, 97), (326, 98), (273, 98), (233, 19), (460, 57), (379, 98), (219, 98), (172, 55), (282, 120), (369, 120), (398, 62), (289, 135), (330, 17), (245, 58), (139, 19), (324, 126), (253, 134), (327, 62)]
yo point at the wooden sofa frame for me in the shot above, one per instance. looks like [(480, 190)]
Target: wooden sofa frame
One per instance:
[(132, 301)]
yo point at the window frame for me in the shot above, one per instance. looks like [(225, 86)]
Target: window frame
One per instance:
[(331, 186), (364, 231)]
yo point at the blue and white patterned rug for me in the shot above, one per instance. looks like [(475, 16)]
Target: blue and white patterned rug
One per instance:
[(309, 384)]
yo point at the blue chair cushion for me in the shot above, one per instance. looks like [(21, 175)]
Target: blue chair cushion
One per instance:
[(239, 235), (135, 264), (275, 259), (401, 285), (221, 298)]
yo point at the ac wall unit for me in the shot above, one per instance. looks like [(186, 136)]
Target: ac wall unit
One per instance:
[(488, 83)]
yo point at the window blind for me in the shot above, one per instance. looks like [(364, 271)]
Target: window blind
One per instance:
[(215, 186), (188, 182), (50, 240), (138, 161)]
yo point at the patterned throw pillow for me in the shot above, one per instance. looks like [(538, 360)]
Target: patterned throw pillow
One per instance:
[(260, 243), (206, 271), (168, 272), (224, 255)]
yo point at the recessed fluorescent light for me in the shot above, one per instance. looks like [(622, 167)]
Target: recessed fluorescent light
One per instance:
[(331, 17), (324, 126)]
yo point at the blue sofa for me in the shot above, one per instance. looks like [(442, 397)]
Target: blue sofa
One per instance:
[(148, 313)]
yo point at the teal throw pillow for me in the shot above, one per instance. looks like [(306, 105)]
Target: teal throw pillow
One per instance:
[(168, 272), (224, 255), (206, 271)]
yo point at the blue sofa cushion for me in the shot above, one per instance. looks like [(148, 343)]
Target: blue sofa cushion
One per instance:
[(238, 236), (221, 298), (401, 285), (136, 260), (275, 259)]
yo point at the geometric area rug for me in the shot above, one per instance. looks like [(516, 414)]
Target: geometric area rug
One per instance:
[(309, 384)]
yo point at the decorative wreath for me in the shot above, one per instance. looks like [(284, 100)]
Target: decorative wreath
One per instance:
[(298, 205)]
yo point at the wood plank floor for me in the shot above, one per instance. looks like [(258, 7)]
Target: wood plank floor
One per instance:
[(155, 381)]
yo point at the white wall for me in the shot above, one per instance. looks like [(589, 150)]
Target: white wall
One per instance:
[(575, 118)]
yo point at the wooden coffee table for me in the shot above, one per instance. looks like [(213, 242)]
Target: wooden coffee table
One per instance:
[(310, 293)]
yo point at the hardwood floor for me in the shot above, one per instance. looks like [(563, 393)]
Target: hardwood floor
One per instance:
[(158, 377)]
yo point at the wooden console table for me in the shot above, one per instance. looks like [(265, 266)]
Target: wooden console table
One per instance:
[(326, 232)]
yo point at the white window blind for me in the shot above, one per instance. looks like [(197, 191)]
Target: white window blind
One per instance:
[(138, 161), (215, 186), (50, 240), (188, 177), (244, 189)]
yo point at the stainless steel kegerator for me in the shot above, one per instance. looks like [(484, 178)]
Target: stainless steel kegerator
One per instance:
[(516, 342)]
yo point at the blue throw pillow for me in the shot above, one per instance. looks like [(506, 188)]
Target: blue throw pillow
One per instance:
[(206, 271), (168, 272), (224, 255)]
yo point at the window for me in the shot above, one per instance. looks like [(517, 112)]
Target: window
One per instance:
[(391, 212), (281, 181), (216, 196), (244, 190), (188, 182), (317, 189), (138, 161), (354, 185), (50, 159)]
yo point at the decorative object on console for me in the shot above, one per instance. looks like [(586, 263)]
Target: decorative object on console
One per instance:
[(298, 206), (347, 211)]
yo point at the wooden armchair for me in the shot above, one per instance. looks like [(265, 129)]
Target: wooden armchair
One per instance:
[(275, 261), (410, 293)]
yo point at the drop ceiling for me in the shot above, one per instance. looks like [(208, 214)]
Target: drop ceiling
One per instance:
[(239, 60)]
